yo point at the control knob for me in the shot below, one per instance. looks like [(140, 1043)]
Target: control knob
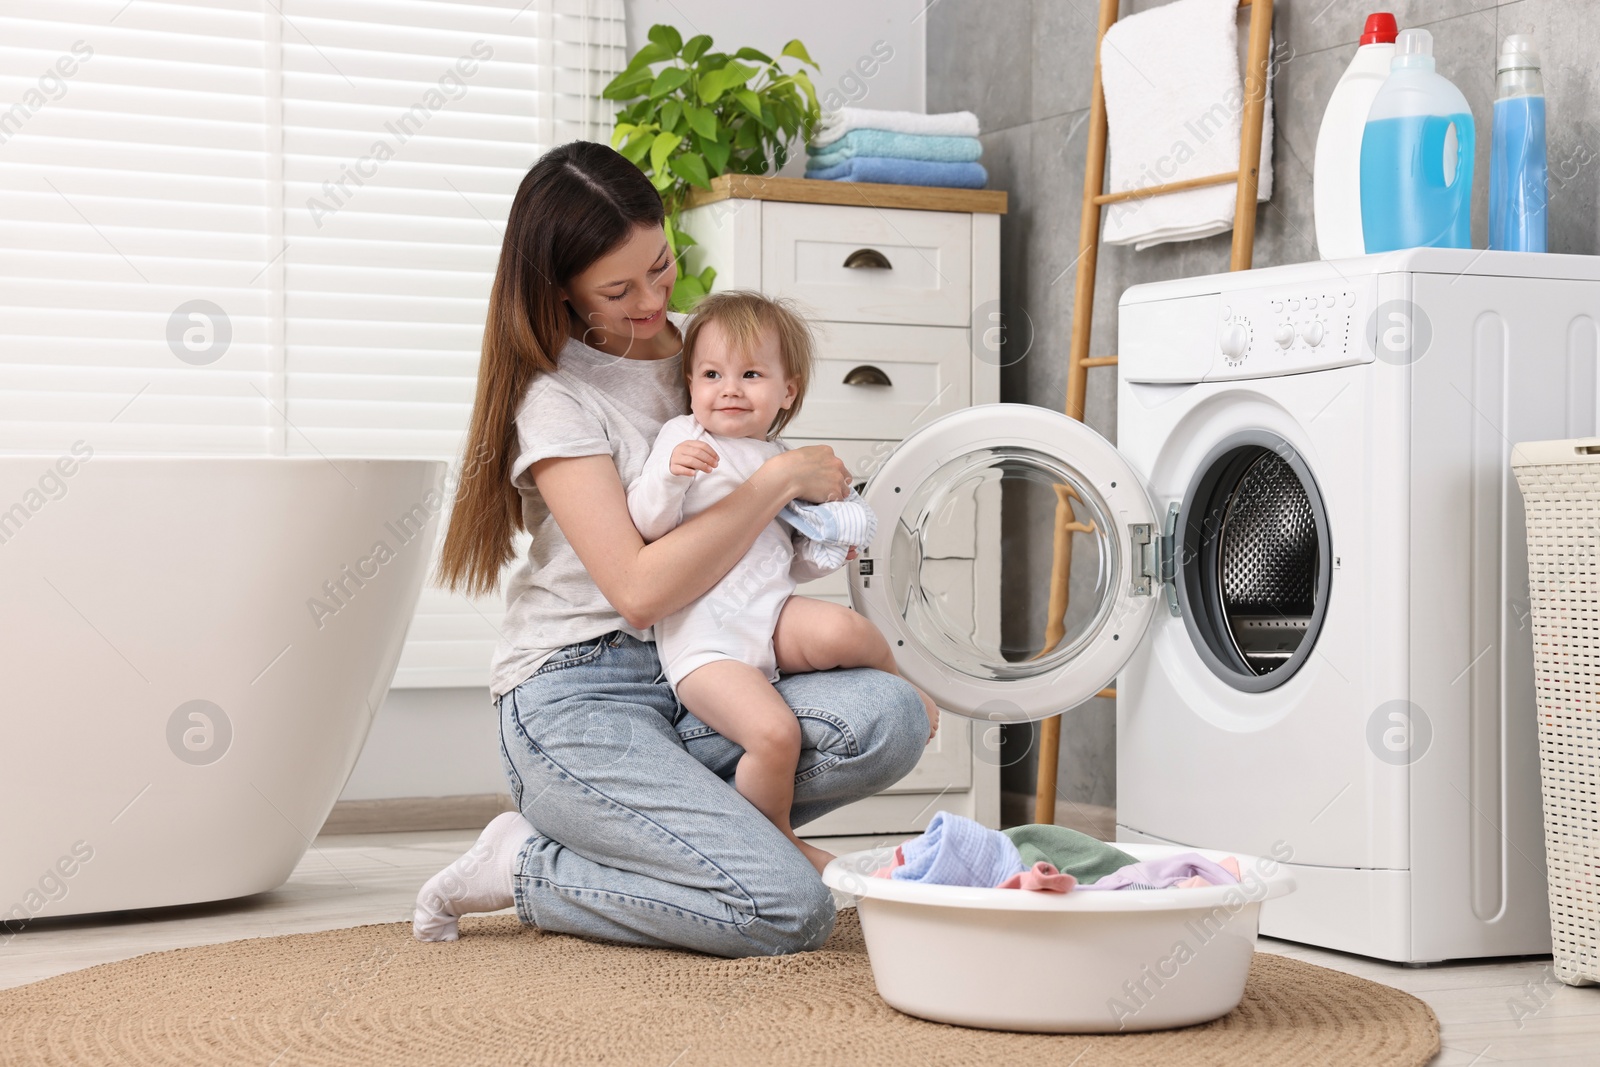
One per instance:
[(1284, 335), (1233, 340), (1311, 333)]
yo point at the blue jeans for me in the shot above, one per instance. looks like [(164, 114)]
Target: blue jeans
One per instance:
[(641, 837)]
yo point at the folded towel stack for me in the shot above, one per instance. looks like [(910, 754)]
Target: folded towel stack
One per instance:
[(897, 148)]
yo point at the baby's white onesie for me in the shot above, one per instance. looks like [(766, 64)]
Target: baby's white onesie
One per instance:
[(735, 618)]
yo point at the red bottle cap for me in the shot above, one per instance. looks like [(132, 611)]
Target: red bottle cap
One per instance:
[(1380, 29)]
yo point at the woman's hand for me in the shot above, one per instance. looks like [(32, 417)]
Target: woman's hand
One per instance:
[(645, 582), (814, 473)]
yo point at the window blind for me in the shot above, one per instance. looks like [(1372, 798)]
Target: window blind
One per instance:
[(266, 227), (135, 181)]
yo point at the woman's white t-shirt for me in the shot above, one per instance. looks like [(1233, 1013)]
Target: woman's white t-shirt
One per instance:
[(592, 404)]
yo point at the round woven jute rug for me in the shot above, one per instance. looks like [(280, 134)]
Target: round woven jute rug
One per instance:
[(508, 994)]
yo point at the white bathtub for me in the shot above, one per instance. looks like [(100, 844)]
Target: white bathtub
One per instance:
[(191, 654)]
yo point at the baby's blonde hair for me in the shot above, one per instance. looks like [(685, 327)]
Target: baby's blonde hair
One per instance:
[(744, 316)]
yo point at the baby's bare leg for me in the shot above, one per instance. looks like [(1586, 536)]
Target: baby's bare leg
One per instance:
[(736, 700), (814, 635)]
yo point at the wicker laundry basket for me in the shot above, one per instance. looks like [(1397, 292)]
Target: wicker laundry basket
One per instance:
[(1560, 482)]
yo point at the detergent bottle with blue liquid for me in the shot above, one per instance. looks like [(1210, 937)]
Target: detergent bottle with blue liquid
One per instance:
[(1519, 169), (1416, 156)]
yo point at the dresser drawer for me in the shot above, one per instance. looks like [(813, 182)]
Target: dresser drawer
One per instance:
[(927, 279), (928, 368), (834, 587)]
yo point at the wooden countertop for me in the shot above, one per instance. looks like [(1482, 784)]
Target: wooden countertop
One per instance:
[(851, 194)]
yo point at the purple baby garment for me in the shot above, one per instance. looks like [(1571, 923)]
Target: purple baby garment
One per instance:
[(1165, 873)]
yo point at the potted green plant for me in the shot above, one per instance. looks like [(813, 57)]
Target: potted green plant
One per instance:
[(705, 113)]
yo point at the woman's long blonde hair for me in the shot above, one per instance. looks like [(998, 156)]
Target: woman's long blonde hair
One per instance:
[(577, 203)]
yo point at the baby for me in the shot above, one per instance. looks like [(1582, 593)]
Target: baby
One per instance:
[(747, 359)]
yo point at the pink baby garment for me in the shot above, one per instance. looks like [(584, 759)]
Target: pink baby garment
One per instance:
[(888, 872), (1043, 877)]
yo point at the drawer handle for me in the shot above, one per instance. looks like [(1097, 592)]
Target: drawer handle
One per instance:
[(868, 259), (866, 374)]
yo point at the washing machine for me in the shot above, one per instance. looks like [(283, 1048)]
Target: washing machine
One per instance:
[(1302, 565)]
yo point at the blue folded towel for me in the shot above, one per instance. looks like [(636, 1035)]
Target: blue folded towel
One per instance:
[(905, 172), (831, 529), (893, 145), (955, 850)]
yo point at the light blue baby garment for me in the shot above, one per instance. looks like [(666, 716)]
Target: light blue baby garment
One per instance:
[(831, 530), (955, 850)]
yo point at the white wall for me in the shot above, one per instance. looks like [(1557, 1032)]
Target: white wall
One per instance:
[(838, 34), (430, 743)]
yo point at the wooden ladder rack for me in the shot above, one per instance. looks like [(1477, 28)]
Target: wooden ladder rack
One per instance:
[(1079, 362)]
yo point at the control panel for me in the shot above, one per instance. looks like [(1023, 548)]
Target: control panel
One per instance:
[(1311, 326)]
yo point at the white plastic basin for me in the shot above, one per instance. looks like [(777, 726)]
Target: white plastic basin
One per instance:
[(1081, 962)]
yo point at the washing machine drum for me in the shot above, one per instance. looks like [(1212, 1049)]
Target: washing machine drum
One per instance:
[(975, 507), (1252, 537)]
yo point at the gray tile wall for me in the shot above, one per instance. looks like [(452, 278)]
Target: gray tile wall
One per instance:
[(1024, 66)]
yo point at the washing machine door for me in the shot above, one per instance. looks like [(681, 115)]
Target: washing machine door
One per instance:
[(975, 512)]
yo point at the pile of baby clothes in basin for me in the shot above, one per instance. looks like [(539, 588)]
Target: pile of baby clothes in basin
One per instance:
[(897, 148), (955, 850)]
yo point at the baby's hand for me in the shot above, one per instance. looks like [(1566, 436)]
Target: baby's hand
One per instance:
[(691, 456)]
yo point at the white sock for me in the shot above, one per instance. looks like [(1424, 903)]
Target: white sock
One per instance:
[(481, 880)]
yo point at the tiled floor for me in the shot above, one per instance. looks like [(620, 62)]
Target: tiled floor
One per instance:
[(1492, 1012)]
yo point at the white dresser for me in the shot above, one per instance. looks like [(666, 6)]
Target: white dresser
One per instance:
[(904, 286)]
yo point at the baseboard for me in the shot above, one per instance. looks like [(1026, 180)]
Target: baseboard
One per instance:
[(473, 812), (1100, 823), (396, 814)]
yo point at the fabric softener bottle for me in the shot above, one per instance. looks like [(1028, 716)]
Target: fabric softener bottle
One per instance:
[(1518, 166), (1416, 156)]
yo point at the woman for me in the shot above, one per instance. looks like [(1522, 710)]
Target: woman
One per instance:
[(629, 826)]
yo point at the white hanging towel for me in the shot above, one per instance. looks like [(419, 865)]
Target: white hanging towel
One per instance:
[(835, 124), (1175, 108)]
